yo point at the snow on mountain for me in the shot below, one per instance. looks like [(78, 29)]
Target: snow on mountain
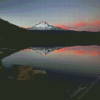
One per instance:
[(44, 26)]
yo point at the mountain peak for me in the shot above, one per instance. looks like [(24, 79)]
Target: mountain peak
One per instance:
[(43, 26), (44, 22)]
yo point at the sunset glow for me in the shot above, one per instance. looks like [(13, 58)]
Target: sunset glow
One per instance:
[(79, 15), (80, 24)]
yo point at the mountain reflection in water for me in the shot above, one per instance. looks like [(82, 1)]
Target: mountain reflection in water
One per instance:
[(52, 73), (76, 60)]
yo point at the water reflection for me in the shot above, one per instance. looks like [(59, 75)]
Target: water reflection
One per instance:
[(76, 60)]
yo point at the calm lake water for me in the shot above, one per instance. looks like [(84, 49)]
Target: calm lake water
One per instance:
[(76, 60), (75, 67)]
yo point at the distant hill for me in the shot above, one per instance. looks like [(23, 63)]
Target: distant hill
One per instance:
[(12, 36)]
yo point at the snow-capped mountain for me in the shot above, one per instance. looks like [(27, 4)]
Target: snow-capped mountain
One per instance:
[(44, 50), (44, 26)]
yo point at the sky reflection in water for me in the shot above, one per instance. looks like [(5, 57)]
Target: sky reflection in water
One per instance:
[(77, 60)]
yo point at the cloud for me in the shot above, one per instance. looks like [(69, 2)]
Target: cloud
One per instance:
[(80, 24), (61, 26), (95, 23), (64, 26), (69, 26)]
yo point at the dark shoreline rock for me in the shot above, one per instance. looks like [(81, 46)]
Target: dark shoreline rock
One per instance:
[(0, 63)]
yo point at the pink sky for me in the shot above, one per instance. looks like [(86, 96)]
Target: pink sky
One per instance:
[(81, 26), (78, 26)]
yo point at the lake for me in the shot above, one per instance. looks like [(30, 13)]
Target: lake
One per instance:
[(66, 65), (77, 60)]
